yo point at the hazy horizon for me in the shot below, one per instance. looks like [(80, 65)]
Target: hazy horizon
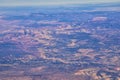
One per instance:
[(51, 2)]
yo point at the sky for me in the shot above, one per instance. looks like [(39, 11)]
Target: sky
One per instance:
[(50, 2)]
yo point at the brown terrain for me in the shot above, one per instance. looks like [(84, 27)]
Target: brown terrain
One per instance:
[(64, 52)]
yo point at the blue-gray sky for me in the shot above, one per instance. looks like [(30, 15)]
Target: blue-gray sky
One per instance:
[(50, 2)]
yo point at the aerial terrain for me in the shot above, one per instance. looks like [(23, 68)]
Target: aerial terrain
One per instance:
[(72, 42)]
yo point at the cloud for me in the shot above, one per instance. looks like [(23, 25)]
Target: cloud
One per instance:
[(100, 18)]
